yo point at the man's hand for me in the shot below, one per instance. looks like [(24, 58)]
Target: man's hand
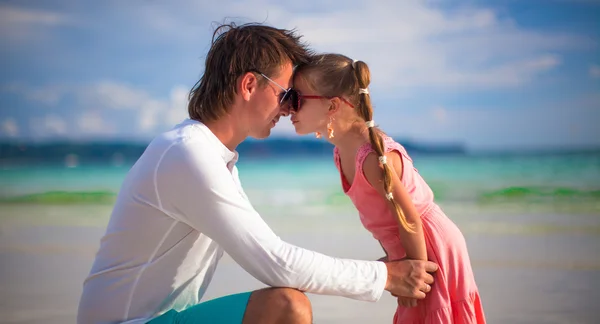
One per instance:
[(407, 302), (409, 278)]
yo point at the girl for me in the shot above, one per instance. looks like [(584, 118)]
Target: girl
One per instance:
[(331, 97)]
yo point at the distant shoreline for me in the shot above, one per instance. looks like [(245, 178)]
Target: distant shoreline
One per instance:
[(274, 147), (107, 151)]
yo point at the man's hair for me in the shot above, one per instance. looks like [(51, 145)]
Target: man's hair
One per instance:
[(236, 50)]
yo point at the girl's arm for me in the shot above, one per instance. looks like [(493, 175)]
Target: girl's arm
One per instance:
[(386, 257), (413, 243)]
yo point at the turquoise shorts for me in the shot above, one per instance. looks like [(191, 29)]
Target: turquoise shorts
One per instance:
[(227, 310)]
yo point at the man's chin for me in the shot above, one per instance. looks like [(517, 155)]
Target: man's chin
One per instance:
[(262, 135)]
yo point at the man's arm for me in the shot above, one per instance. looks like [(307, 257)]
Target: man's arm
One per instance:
[(194, 186)]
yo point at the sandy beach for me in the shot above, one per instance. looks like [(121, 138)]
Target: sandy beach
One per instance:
[(496, 105), (530, 268)]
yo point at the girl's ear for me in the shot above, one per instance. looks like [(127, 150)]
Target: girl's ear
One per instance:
[(335, 105)]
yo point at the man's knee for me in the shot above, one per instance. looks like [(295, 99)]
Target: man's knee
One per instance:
[(293, 301), (278, 305)]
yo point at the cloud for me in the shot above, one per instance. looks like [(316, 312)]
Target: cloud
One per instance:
[(440, 115), (18, 23), (177, 110), (10, 127), (124, 64), (427, 47), (21, 16), (115, 95), (91, 122), (108, 98), (595, 71), (48, 95), (48, 125), (566, 123), (151, 112), (408, 44)]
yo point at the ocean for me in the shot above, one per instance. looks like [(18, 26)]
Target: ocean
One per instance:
[(531, 222), (305, 185)]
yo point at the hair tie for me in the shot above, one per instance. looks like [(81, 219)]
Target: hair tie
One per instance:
[(354, 64), (370, 124), (363, 90), (383, 159), (389, 196)]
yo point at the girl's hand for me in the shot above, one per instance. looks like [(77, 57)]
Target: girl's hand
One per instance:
[(407, 302)]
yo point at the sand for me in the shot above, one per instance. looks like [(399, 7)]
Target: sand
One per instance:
[(530, 268)]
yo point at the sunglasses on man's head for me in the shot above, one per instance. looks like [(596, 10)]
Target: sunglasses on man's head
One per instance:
[(283, 96)]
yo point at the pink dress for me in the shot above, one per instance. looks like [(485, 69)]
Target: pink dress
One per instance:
[(454, 297)]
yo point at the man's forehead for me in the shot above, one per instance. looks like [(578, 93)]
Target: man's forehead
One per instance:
[(286, 73)]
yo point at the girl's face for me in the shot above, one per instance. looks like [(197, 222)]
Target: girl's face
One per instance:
[(312, 113)]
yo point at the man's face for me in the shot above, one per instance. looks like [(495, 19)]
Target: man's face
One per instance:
[(265, 109)]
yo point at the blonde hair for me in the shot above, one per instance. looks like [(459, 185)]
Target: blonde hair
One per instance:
[(336, 75)]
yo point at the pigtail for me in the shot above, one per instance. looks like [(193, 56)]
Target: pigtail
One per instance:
[(365, 109)]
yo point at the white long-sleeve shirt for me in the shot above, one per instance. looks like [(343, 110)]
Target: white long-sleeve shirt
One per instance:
[(180, 206)]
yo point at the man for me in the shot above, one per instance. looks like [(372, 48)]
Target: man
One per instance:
[(181, 206)]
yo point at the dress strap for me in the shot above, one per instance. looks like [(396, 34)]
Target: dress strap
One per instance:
[(361, 155), (336, 158), (389, 145)]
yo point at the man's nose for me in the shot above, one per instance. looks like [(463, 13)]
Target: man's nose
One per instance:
[(284, 110)]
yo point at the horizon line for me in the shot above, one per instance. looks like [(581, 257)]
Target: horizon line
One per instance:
[(434, 145)]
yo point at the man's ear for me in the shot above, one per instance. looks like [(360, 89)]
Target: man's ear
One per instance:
[(248, 84)]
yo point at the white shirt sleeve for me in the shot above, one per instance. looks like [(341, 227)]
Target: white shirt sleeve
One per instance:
[(195, 186)]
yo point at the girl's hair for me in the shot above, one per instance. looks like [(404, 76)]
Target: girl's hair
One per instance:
[(335, 75)]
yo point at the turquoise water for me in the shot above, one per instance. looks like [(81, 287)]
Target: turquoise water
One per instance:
[(552, 181)]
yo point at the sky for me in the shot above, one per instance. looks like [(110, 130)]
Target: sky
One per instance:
[(496, 74)]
